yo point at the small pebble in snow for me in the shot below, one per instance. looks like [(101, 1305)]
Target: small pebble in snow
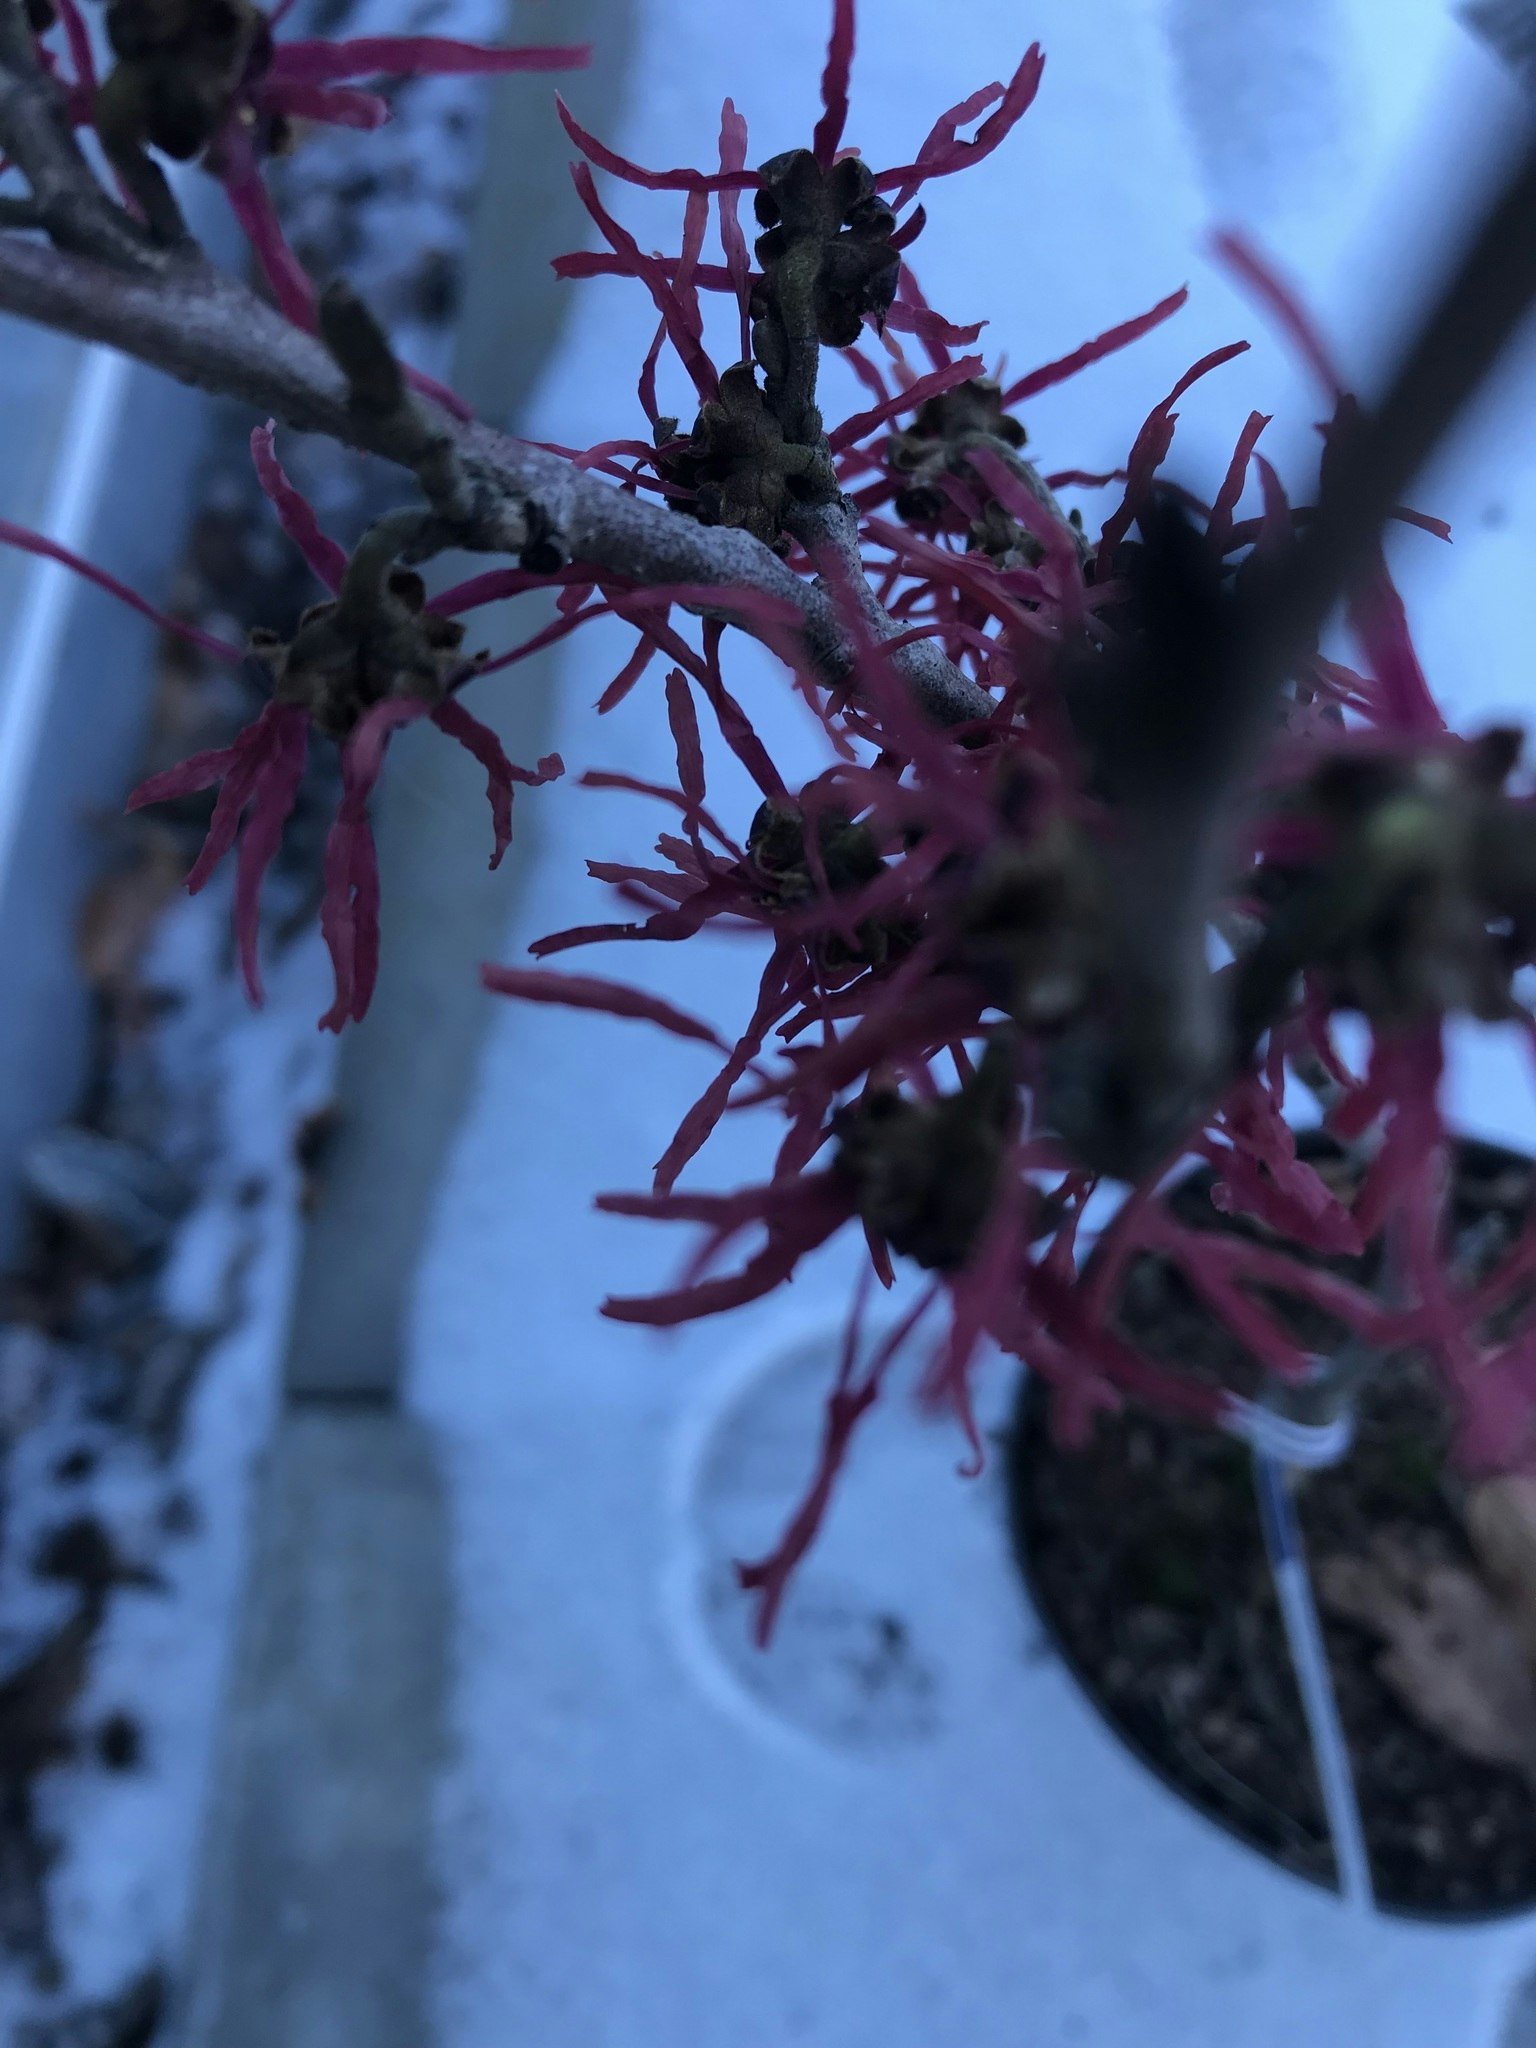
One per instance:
[(437, 286), (314, 1143), (120, 1742), (131, 2020), (120, 1201), (82, 1552)]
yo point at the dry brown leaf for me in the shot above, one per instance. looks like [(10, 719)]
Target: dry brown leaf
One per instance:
[(1501, 1520), (1452, 1655)]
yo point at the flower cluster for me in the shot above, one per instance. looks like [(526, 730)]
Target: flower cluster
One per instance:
[(939, 907), (985, 991)]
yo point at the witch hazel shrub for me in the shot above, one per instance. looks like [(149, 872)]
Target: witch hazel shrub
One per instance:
[(1056, 760)]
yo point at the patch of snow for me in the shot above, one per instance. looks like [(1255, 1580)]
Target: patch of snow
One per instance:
[(120, 1890), (390, 209)]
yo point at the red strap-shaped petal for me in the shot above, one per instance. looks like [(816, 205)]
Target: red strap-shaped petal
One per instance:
[(592, 992), (295, 514), (500, 774), (834, 84), (1094, 351), (319, 62), (271, 807)]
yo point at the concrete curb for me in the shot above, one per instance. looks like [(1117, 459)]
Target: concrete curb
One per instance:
[(404, 1077), (317, 1916)]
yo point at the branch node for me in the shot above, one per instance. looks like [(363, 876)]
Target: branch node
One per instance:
[(541, 553), (376, 386)]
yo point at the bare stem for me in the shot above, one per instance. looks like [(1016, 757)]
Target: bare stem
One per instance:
[(196, 324)]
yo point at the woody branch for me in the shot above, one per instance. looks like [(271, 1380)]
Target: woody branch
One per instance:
[(102, 277)]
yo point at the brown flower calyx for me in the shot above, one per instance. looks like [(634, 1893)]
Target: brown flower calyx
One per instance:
[(944, 432), (941, 434), (925, 1173), (827, 262), (850, 860), (180, 64), (737, 465), (1422, 898), (347, 655), (1033, 927), (541, 553)]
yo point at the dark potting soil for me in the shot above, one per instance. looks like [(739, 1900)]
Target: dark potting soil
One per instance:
[(1145, 1557)]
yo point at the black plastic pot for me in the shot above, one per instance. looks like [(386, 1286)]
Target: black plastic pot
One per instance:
[(1144, 1560)]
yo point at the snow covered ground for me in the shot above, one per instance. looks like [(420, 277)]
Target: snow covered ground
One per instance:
[(120, 1891), (900, 1827), (237, 1086)]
